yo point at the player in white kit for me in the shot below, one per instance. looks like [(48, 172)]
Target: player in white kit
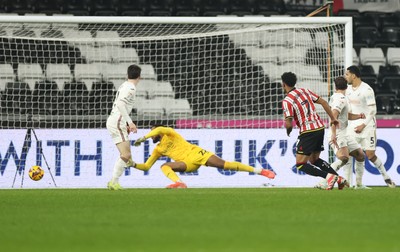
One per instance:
[(343, 145), (362, 100), (119, 124)]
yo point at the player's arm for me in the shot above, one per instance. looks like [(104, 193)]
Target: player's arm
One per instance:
[(149, 163), (368, 118), (321, 101), (289, 125), (356, 116), (335, 113), (120, 104), (155, 132)]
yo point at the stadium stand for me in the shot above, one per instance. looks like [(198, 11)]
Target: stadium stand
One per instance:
[(376, 51)]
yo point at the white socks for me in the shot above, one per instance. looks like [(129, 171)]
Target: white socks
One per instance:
[(119, 168), (337, 164), (379, 165), (257, 170), (359, 167)]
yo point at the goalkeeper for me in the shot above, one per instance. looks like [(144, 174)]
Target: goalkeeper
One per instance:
[(187, 157)]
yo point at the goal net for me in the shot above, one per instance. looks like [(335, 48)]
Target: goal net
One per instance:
[(197, 72), (60, 73)]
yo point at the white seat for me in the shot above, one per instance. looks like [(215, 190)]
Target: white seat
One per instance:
[(273, 71), (338, 55), (125, 55), (178, 108), (148, 72), (261, 55), (393, 56), (30, 73), (87, 73), (107, 38), (96, 54), (304, 72), (78, 38), (276, 38), (6, 75), (246, 39), (322, 39), (161, 89), (373, 57), (149, 108), (60, 73), (297, 54), (301, 38)]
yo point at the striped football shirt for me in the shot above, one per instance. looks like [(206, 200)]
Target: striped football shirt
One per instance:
[(299, 104)]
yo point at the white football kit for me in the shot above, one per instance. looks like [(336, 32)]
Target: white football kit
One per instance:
[(119, 117), (361, 99), (340, 103)]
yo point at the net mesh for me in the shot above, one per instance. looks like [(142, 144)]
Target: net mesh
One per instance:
[(65, 75)]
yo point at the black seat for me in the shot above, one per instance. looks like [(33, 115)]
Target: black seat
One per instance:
[(348, 13), (385, 103), (388, 71), (49, 7), (75, 98), (102, 97), (104, 8), (20, 6), (77, 7), (17, 98), (391, 84), (368, 35), (367, 70), (132, 8), (46, 98), (269, 5), (390, 34)]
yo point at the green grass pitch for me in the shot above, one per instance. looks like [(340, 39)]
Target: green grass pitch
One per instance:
[(240, 219)]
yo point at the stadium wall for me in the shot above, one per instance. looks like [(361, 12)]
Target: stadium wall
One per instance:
[(85, 158)]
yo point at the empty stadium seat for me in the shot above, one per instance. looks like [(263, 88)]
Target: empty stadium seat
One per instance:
[(46, 98), (75, 99), (367, 35), (87, 73), (149, 108), (393, 56), (6, 75), (107, 38), (178, 108), (124, 55), (264, 55), (373, 57), (322, 39), (17, 98), (148, 72), (101, 98), (30, 73), (59, 73), (97, 54)]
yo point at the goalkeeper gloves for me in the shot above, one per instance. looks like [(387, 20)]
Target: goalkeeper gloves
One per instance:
[(139, 141)]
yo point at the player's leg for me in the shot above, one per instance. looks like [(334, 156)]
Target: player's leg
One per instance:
[(169, 170), (217, 162), (315, 141), (359, 156), (369, 144), (121, 163)]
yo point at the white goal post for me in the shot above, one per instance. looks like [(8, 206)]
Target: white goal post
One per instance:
[(62, 72)]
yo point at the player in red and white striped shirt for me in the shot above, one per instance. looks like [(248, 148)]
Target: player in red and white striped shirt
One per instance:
[(299, 104)]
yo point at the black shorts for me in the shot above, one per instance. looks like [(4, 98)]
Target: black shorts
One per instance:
[(309, 142)]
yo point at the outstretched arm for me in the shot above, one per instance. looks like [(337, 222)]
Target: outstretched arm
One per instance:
[(154, 132), (149, 163), (288, 125)]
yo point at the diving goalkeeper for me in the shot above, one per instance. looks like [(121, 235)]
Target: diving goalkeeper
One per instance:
[(187, 157)]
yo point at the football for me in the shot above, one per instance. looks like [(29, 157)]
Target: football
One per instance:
[(36, 173)]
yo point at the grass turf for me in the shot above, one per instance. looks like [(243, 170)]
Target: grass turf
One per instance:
[(258, 219)]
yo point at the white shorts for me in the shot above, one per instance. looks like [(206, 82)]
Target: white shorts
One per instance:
[(117, 128), (367, 139), (344, 140)]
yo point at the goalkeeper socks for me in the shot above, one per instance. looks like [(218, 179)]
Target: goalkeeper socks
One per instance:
[(169, 173), (379, 165), (119, 168), (236, 166), (311, 170), (359, 167), (323, 165)]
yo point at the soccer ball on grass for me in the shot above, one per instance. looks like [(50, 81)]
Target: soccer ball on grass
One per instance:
[(36, 173)]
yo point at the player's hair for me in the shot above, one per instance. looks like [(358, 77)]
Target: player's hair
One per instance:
[(134, 72), (289, 79), (340, 83), (354, 70)]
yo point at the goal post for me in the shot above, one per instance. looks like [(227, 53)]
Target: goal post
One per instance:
[(59, 76)]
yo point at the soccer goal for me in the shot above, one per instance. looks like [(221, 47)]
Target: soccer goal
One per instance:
[(60, 73)]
